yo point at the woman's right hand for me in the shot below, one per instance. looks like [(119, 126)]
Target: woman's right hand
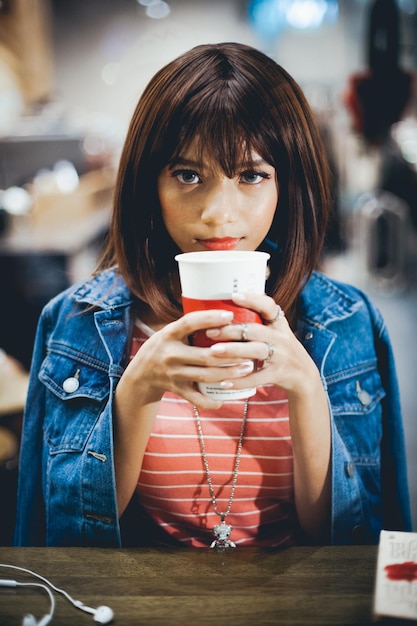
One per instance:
[(167, 362)]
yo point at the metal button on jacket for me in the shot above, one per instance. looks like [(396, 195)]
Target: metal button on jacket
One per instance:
[(350, 469), (72, 383)]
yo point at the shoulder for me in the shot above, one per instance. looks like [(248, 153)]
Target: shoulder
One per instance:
[(72, 310), (71, 324), (324, 301), (105, 290)]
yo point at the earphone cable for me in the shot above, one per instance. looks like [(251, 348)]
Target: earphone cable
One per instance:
[(102, 614), (48, 591), (75, 603), (46, 618)]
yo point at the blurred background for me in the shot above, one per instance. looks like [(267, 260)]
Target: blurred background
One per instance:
[(71, 72)]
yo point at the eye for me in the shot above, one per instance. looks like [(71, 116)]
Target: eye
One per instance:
[(187, 177), (250, 177)]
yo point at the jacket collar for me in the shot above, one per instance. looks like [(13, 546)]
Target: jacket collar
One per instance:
[(324, 300), (106, 290)]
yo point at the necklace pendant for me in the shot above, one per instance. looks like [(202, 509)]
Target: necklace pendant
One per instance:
[(222, 533)]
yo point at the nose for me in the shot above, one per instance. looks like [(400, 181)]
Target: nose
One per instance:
[(220, 204)]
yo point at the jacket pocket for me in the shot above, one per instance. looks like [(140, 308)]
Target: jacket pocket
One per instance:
[(76, 392), (355, 397)]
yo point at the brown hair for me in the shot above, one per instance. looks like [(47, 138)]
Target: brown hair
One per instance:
[(231, 99)]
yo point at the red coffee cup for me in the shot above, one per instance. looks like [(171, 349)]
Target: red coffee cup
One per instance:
[(208, 279)]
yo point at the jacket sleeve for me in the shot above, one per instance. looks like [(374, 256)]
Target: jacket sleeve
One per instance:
[(349, 521), (30, 513), (395, 493), (354, 518), (66, 489), (346, 336)]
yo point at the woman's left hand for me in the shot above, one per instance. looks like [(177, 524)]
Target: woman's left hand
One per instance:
[(281, 358)]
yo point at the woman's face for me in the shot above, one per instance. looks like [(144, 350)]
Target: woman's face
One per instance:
[(203, 209)]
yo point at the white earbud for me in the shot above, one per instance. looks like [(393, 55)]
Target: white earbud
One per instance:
[(103, 615), (30, 620)]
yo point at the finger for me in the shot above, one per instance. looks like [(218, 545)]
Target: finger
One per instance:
[(198, 399), (245, 333), (240, 352), (232, 332), (216, 374), (279, 314), (198, 320), (267, 308), (187, 382)]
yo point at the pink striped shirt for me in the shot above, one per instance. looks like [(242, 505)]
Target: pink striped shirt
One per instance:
[(172, 485)]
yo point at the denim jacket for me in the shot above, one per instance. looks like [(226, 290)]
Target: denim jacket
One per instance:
[(67, 494)]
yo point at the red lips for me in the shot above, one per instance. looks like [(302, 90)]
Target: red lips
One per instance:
[(223, 243)]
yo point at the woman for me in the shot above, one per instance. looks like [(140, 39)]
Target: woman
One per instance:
[(119, 446)]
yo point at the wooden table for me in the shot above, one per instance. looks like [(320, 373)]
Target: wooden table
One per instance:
[(303, 585)]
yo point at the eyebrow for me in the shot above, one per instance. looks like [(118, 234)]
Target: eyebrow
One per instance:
[(190, 163)]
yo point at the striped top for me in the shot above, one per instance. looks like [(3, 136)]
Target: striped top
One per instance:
[(172, 485)]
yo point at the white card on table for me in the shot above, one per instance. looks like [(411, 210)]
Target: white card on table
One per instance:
[(396, 575)]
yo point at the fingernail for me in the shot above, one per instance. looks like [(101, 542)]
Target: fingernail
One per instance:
[(218, 347), (226, 315), (226, 384), (238, 296), (247, 367), (213, 332)]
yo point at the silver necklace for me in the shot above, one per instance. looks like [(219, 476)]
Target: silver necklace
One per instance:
[(222, 531)]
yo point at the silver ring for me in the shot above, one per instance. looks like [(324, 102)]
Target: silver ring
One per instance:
[(270, 352), (244, 336), (280, 314)]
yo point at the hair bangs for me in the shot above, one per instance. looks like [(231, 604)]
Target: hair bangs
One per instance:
[(221, 131)]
